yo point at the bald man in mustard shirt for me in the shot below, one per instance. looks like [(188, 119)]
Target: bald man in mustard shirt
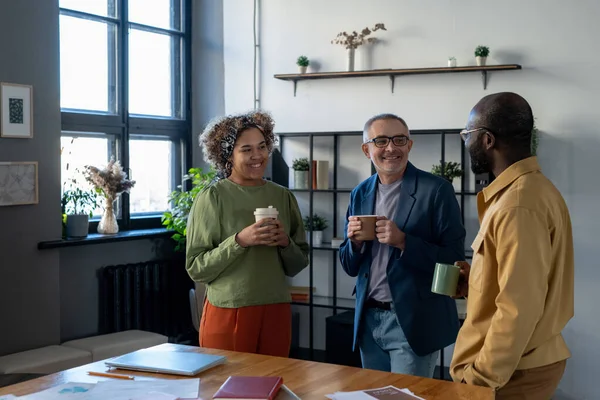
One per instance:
[(520, 285)]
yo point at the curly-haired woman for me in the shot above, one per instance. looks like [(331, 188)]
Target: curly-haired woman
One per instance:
[(244, 263)]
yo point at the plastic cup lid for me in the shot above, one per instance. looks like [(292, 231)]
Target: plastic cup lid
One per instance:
[(269, 210)]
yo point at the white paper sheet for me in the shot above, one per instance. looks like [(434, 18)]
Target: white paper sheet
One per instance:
[(67, 391), (155, 396), (159, 389), (129, 390), (7, 397)]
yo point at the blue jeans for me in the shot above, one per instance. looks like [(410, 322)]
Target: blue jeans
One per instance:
[(384, 347)]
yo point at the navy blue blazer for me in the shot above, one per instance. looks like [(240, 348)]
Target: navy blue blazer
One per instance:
[(430, 216)]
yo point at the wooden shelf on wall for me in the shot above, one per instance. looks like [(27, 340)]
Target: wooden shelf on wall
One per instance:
[(393, 73)]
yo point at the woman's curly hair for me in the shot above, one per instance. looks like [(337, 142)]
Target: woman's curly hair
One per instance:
[(221, 133)]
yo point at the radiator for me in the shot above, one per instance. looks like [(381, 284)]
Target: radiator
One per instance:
[(150, 296)]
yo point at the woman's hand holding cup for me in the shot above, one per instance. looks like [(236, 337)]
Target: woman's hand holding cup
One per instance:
[(261, 233), (280, 238)]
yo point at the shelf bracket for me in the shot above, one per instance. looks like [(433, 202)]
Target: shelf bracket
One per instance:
[(484, 79), (295, 85), (392, 81)]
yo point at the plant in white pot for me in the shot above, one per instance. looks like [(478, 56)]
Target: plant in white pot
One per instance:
[(316, 227), (481, 53), (300, 167), (78, 205), (302, 62), (452, 62), (351, 41)]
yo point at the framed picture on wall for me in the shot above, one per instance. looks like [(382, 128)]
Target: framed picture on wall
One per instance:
[(18, 183), (16, 105)]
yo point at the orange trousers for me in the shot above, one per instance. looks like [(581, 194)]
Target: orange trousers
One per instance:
[(263, 329)]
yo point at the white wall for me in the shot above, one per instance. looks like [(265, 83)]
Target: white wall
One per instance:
[(554, 40)]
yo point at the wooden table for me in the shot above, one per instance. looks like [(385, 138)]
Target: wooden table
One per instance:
[(309, 380)]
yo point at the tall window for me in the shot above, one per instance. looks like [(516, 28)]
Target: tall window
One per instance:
[(124, 70)]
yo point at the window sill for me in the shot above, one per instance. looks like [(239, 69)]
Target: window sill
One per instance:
[(96, 238)]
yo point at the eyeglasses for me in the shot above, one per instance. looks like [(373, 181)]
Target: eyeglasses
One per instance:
[(383, 141), (466, 133)]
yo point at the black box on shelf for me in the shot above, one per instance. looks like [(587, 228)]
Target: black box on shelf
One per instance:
[(277, 169), (338, 342)]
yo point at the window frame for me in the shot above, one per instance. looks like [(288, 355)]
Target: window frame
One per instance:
[(123, 125)]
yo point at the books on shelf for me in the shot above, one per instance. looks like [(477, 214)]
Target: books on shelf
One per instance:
[(301, 293), (320, 174)]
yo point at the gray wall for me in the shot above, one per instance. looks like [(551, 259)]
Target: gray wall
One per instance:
[(79, 300), (208, 71), (46, 296), (29, 279)]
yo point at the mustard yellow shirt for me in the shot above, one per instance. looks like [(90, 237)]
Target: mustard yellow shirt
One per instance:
[(521, 281)]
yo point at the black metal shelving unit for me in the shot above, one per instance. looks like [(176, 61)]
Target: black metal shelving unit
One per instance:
[(333, 302)]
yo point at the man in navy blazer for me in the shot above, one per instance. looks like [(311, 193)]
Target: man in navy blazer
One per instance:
[(399, 324)]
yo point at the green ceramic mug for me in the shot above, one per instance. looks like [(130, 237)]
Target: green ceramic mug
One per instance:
[(445, 279)]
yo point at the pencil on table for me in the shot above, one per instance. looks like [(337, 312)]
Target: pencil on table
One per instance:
[(107, 375)]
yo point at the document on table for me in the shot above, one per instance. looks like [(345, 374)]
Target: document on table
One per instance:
[(384, 393), (158, 389), (129, 390), (66, 391)]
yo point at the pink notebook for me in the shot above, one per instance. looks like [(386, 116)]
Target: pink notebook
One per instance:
[(249, 387)]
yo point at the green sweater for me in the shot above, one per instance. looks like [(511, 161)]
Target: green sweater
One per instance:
[(236, 276)]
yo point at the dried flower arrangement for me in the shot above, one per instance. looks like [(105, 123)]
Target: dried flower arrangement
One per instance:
[(110, 181), (354, 39)]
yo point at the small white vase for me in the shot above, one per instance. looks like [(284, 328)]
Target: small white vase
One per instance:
[(317, 238), (480, 61), (451, 63), (350, 60), (108, 222), (302, 69)]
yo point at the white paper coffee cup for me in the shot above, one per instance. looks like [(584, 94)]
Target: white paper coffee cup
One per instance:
[(269, 212)]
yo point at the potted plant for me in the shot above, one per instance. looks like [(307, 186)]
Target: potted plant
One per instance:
[(481, 53), (452, 62), (316, 227), (300, 167), (303, 63), (78, 205), (181, 202), (451, 170), (351, 41)]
